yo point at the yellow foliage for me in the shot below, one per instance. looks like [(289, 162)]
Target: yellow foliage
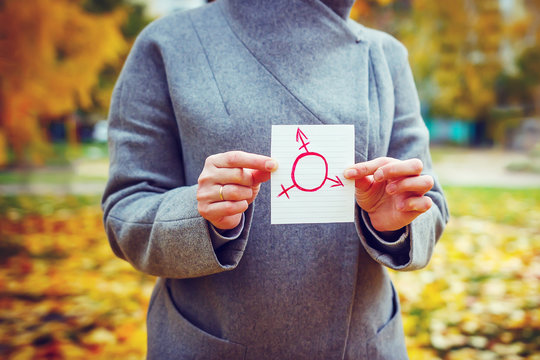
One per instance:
[(362, 8), (3, 149), (478, 298), (52, 53), (455, 49), (65, 295)]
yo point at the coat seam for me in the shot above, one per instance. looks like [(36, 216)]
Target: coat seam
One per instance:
[(209, 65), (270, 72), (151, 223), (351, 309)]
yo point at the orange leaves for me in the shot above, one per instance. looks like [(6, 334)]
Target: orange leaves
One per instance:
[(460, 49), (64, 294), (478, 298), (362, 8), (52, 53), (458, 53), (55, 61), (3, 149)]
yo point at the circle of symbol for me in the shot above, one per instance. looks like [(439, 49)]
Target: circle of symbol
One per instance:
[(294, 169)]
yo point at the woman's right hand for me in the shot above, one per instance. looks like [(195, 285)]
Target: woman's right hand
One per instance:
[(228, 183)]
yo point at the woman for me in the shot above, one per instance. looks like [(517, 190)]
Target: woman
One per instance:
[(190, 126)]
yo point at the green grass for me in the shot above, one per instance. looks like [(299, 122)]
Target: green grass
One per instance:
[(49, 176), (58, 168), (480, 285), (519, 207), (21, 205), (62, 154), (439, 153)]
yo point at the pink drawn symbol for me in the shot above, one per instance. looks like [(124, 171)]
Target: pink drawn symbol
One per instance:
[(301, 137)]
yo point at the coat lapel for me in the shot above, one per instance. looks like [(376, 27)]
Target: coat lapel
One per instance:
[(294, 54), (312, 52)]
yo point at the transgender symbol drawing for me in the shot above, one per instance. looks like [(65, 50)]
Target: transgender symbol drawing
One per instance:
[(302, 138)]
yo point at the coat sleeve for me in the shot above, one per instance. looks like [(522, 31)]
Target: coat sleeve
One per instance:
[(150, 213), (409, 139)]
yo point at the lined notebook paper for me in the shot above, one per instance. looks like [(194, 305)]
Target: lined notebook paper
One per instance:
[(309, 186)]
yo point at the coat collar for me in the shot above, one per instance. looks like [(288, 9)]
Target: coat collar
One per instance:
[(340, 7), (290, 21), (319, 57), (290, 34)]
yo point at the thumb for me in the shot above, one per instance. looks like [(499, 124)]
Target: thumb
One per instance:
[(363, 184), (260, 176)]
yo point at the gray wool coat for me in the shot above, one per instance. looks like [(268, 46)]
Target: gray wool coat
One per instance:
[(215, 79)]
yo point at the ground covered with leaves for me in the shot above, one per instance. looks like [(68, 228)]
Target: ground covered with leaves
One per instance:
[(63, 294), (479, 298)]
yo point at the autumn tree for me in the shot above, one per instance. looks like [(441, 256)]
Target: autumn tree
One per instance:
[(468, 56), (521, 83), (454, 48), (378, 13), (52, 54)]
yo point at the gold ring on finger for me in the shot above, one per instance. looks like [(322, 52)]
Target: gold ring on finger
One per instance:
[(221, 193)]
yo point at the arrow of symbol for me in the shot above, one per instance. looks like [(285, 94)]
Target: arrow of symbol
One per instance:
[(337, 182), (301, 136)]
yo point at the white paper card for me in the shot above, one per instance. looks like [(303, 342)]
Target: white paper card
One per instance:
[(308, 186)]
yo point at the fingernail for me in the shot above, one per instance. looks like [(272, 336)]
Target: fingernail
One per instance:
[(392, 188), (349, 173), (270, 165), (379, 175)]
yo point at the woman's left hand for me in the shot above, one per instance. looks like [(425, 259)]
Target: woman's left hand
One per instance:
[(391, 191)]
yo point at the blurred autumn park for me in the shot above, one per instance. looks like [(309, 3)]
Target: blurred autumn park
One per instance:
[(63, 295)]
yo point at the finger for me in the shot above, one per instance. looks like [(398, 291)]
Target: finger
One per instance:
[(240, 159), (417, 184), (255, 192), (228, 222), (260, 176), (232, 192), (229, 192), (363, 184), (232, 176), (218, 210), (416, 203), (398, 169), (362, 169)]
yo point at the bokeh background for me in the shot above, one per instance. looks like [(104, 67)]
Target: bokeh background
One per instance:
[(63, 295)]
